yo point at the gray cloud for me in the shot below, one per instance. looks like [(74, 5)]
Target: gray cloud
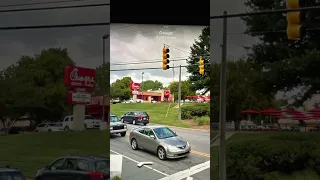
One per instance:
[(83, 43), (140, 43)]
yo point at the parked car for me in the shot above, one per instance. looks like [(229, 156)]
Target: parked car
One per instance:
[(90, 122), (9, 173), (43, 127), (136, 117), (116, 126), (76, 167), (160, 140)]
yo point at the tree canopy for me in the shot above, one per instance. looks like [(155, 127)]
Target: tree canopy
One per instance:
[(186, 89), (34, 86), (201, 47), (121, 88), (287, 64), (150, 84)]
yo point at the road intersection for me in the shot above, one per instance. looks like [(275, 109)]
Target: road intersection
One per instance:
[(194, 167)]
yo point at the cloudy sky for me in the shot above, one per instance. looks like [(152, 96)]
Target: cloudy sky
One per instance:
[(83, 43), (131, 43)]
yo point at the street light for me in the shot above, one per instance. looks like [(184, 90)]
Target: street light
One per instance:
[(104, 37), (141, 87)]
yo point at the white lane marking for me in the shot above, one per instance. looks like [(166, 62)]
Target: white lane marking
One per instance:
[(189, 178), (188, 172), (144, 163), (139, 162)]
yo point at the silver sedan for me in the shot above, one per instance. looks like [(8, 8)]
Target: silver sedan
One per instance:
[(160, 140)]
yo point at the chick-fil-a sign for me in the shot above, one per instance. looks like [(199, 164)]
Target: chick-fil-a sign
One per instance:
[(79, 77), (134, 86)]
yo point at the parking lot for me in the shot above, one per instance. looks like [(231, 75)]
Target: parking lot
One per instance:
[(195, 166)]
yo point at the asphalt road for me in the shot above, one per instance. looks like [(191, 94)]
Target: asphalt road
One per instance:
[(195, 166)]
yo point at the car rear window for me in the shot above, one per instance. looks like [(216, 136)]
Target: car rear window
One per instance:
[(102, 165), (11, 176), (141, 113)]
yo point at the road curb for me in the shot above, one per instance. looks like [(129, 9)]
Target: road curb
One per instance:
[(193, 129)]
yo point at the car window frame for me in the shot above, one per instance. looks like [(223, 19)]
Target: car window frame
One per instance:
[(143, 129), (50, 166)]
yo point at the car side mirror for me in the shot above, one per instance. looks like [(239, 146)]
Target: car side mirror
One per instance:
[(152, 137)]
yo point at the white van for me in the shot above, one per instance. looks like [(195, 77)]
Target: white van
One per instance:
[(90, 122)]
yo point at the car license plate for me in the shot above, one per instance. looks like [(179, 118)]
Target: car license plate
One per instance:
[(144, 118)]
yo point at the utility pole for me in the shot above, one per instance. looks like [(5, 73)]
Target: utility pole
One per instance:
[(222, 118), (104, 72), (179, 95), (141, 86)]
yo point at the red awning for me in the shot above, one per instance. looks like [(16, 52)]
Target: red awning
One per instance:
[(250, 111), (291, 111), (301, 117), (270, 111)]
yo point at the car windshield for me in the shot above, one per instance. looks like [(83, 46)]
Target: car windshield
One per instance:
[(102, 165), (11, 176), (114, 119), (164, 132)]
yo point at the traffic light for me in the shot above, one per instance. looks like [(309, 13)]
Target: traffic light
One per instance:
[(165, 60), (201, 67), (296, 19)]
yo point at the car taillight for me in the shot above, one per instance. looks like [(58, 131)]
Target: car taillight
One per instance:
[(139, 117), (96, 175), (148, 117)]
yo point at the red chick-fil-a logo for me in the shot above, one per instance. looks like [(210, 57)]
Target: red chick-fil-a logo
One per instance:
[(75, 78)]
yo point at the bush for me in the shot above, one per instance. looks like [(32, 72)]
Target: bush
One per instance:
[(196, 110), (204, 120), (259, 159)]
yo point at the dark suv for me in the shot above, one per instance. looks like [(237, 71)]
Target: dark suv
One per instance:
[(136, 117), (9, 173), (77, 168), (116, 126)]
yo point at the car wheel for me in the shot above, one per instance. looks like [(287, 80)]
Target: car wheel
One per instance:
[(144, 123), (134, 144), (123, 134), (66, 128), (134, 122), (161, 153), (85, 126), (49, 130)]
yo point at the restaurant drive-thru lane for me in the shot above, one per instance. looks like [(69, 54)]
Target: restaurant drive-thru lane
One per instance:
[(199, 156)]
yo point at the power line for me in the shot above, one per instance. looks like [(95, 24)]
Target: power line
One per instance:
[(268, 32), (53, 8), (154, 61), (257, 13), (146, 62), (54, 26), (40, 3), (154, 68)]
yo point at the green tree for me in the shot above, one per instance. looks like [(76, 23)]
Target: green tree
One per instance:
[(287, 64), (149, 84), (242, 90), (186, 89), (34, 86), (121, 88), (102, 79), (201, 47)]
